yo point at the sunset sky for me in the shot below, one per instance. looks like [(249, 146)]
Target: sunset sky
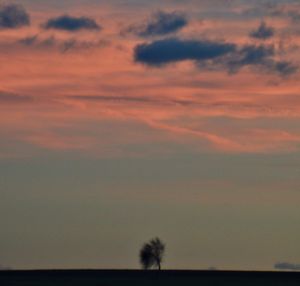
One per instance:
[(123, 120)]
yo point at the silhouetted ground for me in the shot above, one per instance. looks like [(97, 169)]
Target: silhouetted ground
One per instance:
[(145, 278)]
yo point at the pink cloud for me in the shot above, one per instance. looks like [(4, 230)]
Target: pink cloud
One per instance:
[(57, 100)]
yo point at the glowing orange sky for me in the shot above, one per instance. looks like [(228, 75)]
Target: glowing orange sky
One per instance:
[(98, 80)]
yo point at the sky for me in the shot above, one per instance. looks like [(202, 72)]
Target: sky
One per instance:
[(126, 120)]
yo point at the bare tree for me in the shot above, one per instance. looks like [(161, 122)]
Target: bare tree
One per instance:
[(152, 253)]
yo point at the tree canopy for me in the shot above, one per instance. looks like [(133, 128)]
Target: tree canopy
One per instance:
[(152, 253)]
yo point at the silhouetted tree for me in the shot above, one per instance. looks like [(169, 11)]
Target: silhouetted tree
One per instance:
[(152, 253)]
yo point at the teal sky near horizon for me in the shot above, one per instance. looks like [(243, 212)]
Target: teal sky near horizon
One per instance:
[(128, 120)]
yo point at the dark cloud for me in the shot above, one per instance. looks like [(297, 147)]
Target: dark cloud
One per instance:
[(250, 55), (72, 24), (212, 55), (263, 32), (172, 50), (284, 67), (13, 16), (161, 23), (287, 266), (261, 56)]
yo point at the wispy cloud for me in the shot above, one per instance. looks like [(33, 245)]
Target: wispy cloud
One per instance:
[(263, 32), (161, 23), (287, 266), (289, 11), (63, 45)]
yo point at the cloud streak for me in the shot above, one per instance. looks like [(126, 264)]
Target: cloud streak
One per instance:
[(11, 98)]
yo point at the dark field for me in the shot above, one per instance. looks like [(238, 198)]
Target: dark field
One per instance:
[(144, 278)]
